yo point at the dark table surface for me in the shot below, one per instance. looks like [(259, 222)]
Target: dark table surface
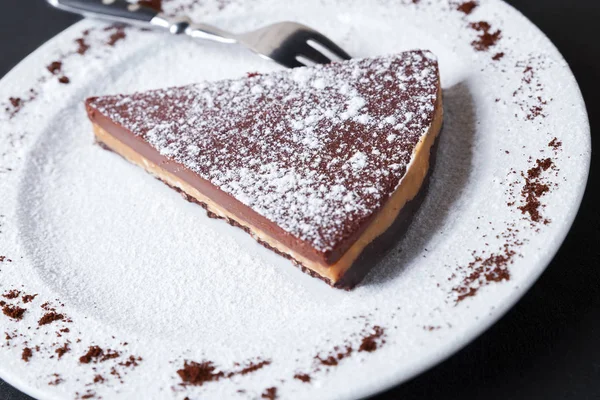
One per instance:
[(548, 345)]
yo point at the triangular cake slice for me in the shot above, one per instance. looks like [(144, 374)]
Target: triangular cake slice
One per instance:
[(314, 163)]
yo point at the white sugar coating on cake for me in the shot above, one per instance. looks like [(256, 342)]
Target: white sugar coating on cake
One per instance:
[(315, 150), (358, 160)]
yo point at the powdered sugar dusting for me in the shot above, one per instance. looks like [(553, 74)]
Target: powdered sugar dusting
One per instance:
[(293, 145)]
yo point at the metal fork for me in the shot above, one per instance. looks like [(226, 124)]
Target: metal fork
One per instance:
[(288, 43)]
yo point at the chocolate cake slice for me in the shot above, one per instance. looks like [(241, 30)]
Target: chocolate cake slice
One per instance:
[(314, 163)]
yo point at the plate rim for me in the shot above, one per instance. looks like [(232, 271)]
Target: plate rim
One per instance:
[(453, 347)]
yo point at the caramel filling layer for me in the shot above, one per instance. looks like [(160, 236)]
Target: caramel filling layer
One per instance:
[(406, 191)]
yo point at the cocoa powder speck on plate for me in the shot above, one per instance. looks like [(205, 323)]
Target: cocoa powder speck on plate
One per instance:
[(89, 394), (50, 317), (132, 361), (498, 56), (303, 377), (530, 95), (56, 380), (534, 188), (370, 342), (269, 393), (109, 354), (47, 306), (487, 38), (486, 268), (194, 373), (432, 328), (13, 312), (26, 354), (61, 351), (27, 298), (16, 103), (93, 353), (82, 46), (118, 34), (251, 367), (467, 7), (12, 294), (555, 144), (197, 374), (55, 67)]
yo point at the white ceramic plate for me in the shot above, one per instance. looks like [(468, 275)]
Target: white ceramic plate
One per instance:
[(124, 259)]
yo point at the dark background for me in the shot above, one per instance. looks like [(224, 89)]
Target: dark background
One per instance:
[(548, 345)]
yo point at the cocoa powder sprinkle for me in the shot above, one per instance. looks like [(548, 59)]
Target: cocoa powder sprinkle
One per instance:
[(329, 361), (118, 34), (528, 95), (194, 373), (82, 46), (487, 38), (88, 395), (555, 144), (13, 294), (338, 355), (16, 102), (369, 343), (27, 298), (109, 354), (498, 56), (431, 328), (534, 188), (57, 380), (50, 317), (251, 368), (61, 351), (55, 67), (269, 393), (303, 377), (467, 7), (132, 361), (197, 374), (482, 271), (14, 312), (26, 355), (93, 353)]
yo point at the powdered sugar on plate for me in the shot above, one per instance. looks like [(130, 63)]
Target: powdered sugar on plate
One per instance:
[(167, 297)]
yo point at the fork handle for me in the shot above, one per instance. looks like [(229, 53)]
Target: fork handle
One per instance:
[(117, 10), (125, 12)]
